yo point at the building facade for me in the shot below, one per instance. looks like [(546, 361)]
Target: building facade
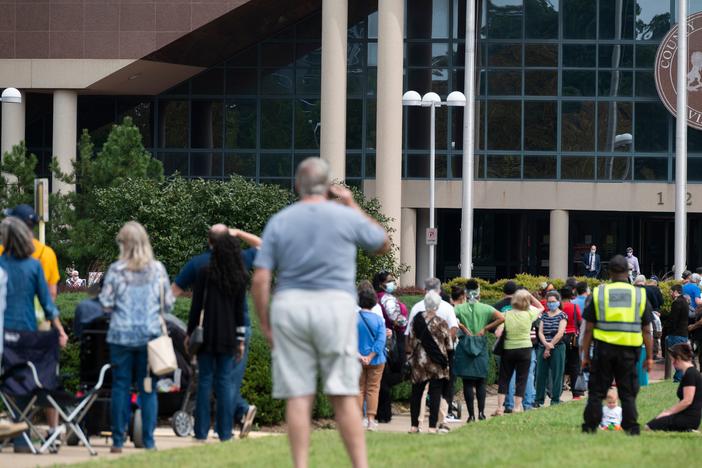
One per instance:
[(573, 145)]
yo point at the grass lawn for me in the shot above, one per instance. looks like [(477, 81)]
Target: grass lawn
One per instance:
[(545, 437)]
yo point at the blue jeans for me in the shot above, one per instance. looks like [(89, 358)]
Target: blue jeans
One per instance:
[(671, 340), (129, 362), (530, 394), (217, 369), (239, 405)]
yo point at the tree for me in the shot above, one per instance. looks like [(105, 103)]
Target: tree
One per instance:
[(17, 180)]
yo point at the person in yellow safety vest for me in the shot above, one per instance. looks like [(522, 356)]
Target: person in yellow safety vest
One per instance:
[(619, 318)]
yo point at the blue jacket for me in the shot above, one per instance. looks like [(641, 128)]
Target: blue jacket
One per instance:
[(371, 336), (25, 279)]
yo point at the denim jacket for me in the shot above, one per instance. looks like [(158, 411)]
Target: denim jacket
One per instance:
[(25, 279), (135, 300)]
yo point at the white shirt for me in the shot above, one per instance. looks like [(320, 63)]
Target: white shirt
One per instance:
[(611, 415), (377, 310), (445, 312)]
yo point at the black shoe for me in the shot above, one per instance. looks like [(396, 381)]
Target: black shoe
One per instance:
[(536, 405), (471, 418), (508, 410), (589, 430), (481, 416), (634, 431)]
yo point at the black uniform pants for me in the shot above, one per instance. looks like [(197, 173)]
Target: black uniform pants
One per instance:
[(613, 363), (572, 364)]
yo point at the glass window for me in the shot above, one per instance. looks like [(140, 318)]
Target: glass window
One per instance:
[(504, 167), (418, 122), (354, 84), (243, 164), (645, 84), (372, 54), (457, 126), (174, 162), (276, 165), (615, 83), (242, 81), (478, 166), (428, 79), (694, 169), (206, 124), (311, 28), (353, 165), (206, 164), (418, 166), (173, 124), (539, 167), (246, 58), (646, 55), (578, 83), (355, 57), (240, 124), (354, 124), (614, 168), (652, 19), (308, 55), (370, 123), (427, 19), (651, 127), (541, 55), (651, 168), (541, 82), (541, 19), (427, 54), (307, 123), (577, 168), (504, 125), (579, 19), (540, 119), (308, 81), (616, 19), (616, 56), (504, 55), (372, 25), (578, 126), (277, 54), (372, 81), (578, 55), (208, 82), (505, 82), (370, 165), (694, 140), (138, 110), (504, 19), (277, 81), (276, 123), (614, 128)]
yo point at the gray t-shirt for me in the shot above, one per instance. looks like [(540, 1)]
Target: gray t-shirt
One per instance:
[(313, 246)]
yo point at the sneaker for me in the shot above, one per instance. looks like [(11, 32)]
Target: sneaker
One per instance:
[(114, 449), (364, 423), (442, 430), (450, 418), (508, 410), (444, 427), (248, 422), (11, 429), (372, 426)]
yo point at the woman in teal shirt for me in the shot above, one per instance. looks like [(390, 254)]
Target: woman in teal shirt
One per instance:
[(517, 353), (471, 358)]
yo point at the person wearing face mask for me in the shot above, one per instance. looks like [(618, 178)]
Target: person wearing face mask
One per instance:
[(591, 260), (550, 357), (634, 269)]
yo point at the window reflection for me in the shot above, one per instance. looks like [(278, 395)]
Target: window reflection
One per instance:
[(541, 19), (651, 168), (504, 18), (614, 128), (427, 19), (353, 165), (243, 164), (505, 82), (206, 164), (504, 167), (504, 125), (578, 83), (240, 124), (577, 126), (651, 127), (276, 165), (418, 166), (616, 19), (652, 19), (614, 168), (505, 55), (541, 82), (478, 166), (540, 125), (539, 167), (206, 124), (645, 84), (577, 168), (541, 55), (615, 83), (173, 124), (579, 19), (276, 123), (307, 123), (174, 163), (616, 56), (577, 55)]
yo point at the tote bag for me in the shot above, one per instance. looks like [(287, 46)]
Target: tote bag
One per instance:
[(162, 358)]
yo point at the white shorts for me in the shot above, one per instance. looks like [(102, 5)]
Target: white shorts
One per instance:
[(314, 331)]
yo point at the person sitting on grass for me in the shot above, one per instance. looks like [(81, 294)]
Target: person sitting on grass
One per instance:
[(685, 415), (611, 412)]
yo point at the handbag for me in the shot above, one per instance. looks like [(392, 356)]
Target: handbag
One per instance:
[(197, 337), (162, 358), (407, 366), (498, 348), (580, 385)]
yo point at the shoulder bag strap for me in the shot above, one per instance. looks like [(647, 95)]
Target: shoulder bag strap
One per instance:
[(204, 301)]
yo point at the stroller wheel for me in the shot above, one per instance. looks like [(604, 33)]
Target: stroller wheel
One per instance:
[(137, 429), (182, 424)]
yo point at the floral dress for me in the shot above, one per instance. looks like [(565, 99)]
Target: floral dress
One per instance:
[(423, 368)]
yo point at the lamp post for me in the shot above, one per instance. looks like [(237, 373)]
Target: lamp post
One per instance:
[(12, 120), (681, 144), (11, 95), (432, 100)]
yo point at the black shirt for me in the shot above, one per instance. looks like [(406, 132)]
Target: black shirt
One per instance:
[(692, 378), (678, 319), (591, 316), (654, 296), (504, 302)]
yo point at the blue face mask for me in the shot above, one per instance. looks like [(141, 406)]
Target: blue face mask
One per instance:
[(553, 305), (390, 287)]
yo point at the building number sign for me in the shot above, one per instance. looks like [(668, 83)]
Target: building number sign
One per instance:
[(688, 199)]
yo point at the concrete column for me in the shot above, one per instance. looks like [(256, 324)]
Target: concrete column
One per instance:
[(558, 245), (408, 248), (12, 125), (388, 166), (333, 110), (65, 135), (422, 247)]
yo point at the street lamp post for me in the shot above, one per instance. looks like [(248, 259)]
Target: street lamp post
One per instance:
[(681, 145), (432, 100), (12, 120)]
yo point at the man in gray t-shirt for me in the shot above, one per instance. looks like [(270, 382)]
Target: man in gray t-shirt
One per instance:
[(311, 247)]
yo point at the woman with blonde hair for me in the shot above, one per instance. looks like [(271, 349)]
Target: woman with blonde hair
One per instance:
[(134, 290), (517, 347)]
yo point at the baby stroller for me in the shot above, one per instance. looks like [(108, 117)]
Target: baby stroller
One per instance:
[(175, 392)]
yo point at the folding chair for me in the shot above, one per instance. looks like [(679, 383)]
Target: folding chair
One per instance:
[(42, 389)]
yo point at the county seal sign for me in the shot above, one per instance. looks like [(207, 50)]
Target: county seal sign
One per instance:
[(666, 70)]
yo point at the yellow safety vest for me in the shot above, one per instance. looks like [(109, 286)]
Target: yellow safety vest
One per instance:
[(619, 308)]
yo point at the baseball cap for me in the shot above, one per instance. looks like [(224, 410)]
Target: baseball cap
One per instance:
[(24, 212)]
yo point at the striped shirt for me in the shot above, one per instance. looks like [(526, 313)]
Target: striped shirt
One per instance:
[(551, 324)]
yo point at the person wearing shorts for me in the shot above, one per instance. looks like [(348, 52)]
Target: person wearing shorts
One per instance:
[(311, 322)]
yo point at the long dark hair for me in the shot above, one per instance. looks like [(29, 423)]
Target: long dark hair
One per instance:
[(226, 267), (379, 279)]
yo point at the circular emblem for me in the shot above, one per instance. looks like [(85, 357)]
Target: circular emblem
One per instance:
[(667, 70)]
